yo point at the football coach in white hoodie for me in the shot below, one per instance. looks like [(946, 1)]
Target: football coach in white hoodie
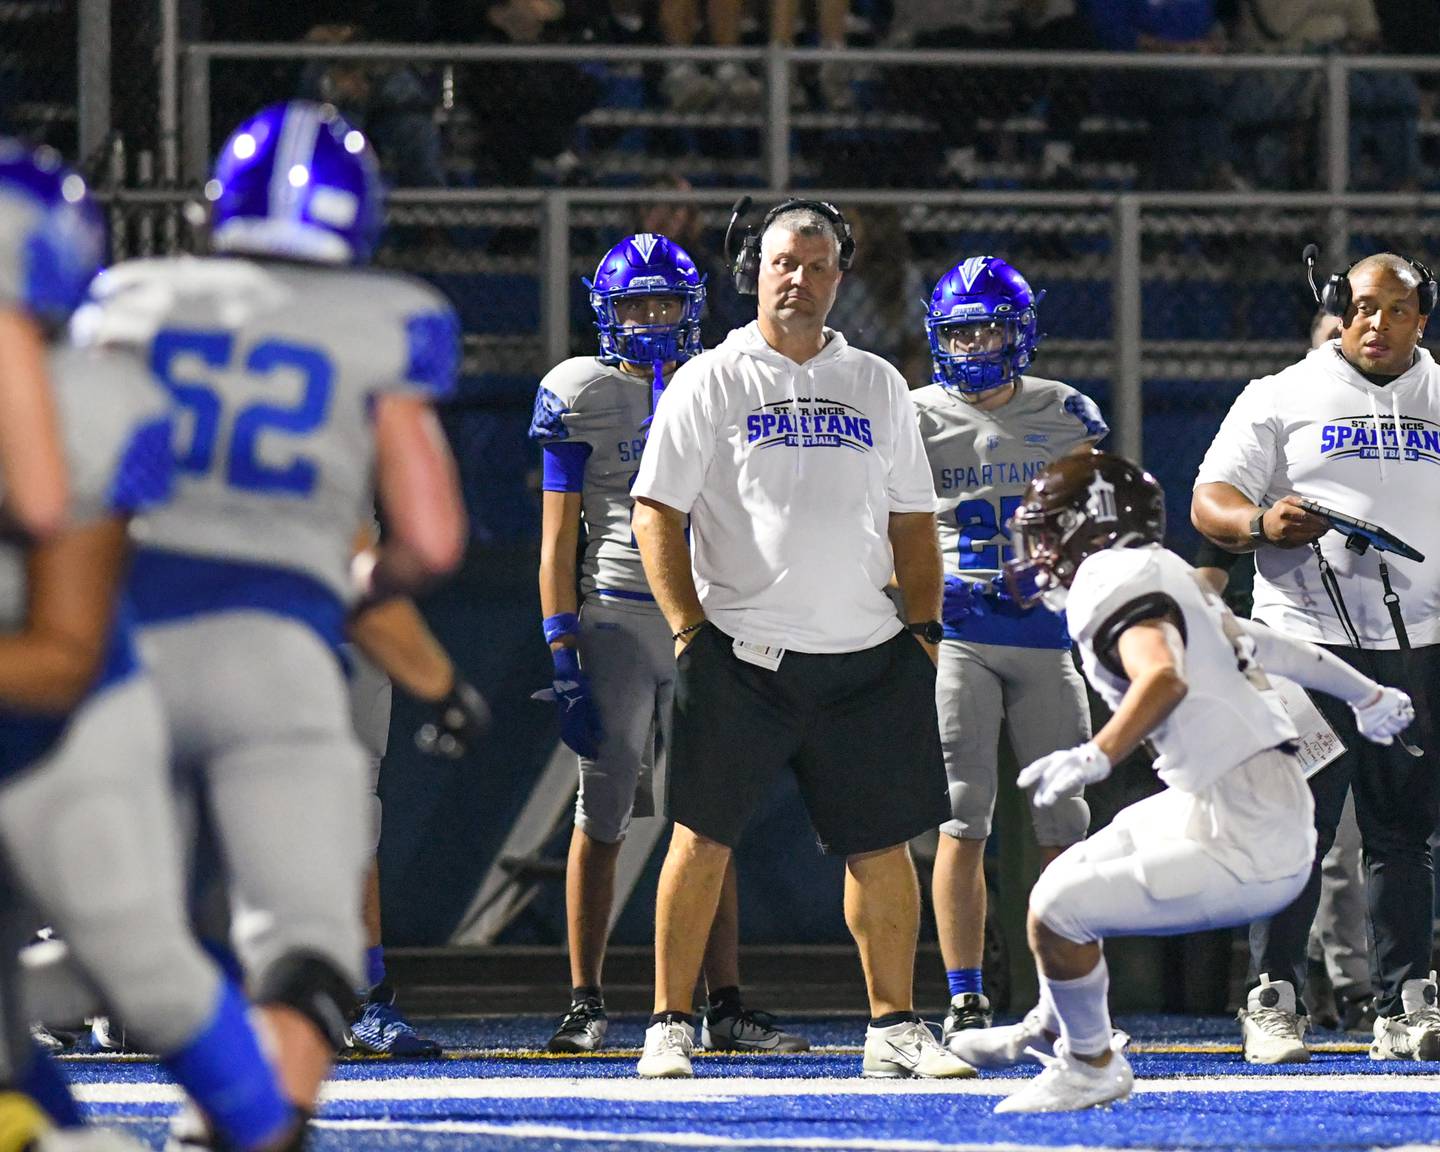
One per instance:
[(1355, 426), (799, 463)]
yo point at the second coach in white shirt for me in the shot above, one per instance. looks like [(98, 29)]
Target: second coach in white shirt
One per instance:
[(798, 462), (1355, 426)]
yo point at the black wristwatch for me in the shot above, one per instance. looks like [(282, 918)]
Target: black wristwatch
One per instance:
[(1257, 529), (931, 631)]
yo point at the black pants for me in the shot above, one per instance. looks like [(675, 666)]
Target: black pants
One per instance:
[(1397, 805)]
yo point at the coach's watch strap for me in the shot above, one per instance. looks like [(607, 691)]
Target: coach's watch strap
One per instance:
[(1257, 528), (931, 631)]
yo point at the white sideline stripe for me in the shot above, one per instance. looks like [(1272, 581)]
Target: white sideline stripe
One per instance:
[(683, 1139), (729, 1089)]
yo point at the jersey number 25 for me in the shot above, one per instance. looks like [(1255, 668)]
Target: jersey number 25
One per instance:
[(978, 524)]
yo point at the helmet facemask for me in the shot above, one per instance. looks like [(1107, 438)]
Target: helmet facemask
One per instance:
[(624, 341), (991, 349), (1041, 571)]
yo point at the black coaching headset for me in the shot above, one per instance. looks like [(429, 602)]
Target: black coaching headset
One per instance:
[(746, 266), (1334, 295)]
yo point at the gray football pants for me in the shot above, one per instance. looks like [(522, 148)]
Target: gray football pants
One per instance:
[(89, 838), (260, 724), (1340, 935), (1040, 698), (371, 697), (629, 655)]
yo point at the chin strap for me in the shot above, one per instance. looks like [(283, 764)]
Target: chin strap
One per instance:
[(657, 385)]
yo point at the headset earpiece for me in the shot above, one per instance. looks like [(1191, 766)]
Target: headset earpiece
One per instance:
[(747, 265), (1335, 293), (1427, 289)]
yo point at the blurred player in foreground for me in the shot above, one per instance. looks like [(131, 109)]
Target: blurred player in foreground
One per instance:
[(1232, 835), (305, 388), (988, 430), (83, 751), (614, 658), (37, 268)]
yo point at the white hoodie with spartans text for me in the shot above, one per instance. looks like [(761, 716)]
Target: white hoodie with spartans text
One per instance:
[(789, 473), (1320, 429)]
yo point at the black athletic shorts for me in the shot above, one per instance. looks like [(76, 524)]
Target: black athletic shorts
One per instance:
[(857, 728)]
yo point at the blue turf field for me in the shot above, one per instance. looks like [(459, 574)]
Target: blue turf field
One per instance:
[(1194, 1091)]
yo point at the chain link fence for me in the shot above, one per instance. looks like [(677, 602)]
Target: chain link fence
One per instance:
[(545, 116), (1222, 300)]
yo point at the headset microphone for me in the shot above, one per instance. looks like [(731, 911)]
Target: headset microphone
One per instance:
[(1309, 256), (742, 206)]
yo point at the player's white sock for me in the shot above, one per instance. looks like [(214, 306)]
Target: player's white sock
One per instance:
[(1083, 1006), (1045, 1008)]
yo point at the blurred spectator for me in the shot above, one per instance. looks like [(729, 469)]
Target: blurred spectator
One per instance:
[(1412, 28), (724, 309), (1189, 137), (884, 297), (387, 101), (611, 21), (984, 24), (830, 19), (688, 87), (999, 93), (1274, 113), (526, 110)]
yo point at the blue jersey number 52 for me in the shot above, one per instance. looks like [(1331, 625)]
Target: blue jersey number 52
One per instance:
[(979, 524), (243, 467)]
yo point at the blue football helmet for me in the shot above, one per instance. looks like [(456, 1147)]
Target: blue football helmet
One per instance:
[(295, 180), (61, 240), (991, 303), (647, 264)]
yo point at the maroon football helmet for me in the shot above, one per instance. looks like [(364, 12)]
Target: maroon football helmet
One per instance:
[(1078, 506)]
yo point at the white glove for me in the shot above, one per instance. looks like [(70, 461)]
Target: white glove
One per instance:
[(1384, 715), (1064, 773)]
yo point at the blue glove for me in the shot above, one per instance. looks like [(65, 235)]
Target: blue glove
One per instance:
[(962, 598), (1000, 590), (570, 690)]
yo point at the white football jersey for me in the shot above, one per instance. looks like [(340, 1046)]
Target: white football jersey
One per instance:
[(981, 462), (1230, 712), (18, 216), (603, 411), (116, 427), (273, 368)]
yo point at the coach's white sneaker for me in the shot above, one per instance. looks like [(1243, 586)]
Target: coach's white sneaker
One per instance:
[(1068, 1084), (909, 1050), (1415, 1035), (668, 1045), (1274, 1032), (1022, 1043)]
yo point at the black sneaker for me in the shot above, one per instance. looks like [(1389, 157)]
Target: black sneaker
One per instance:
[(747, 1031), (967, 1010), (583, 1028)]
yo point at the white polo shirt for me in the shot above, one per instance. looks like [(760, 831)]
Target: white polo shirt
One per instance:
[(789, 473), (1320, 429)]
